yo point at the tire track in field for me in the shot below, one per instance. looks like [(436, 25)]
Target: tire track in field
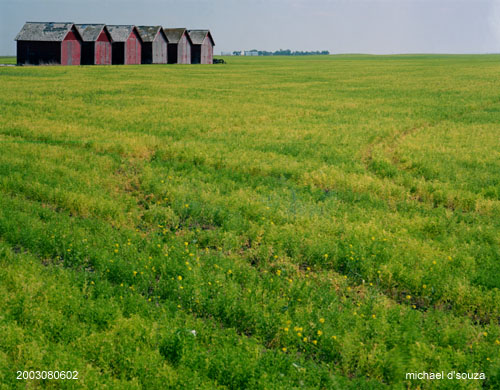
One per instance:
[(389, 145)]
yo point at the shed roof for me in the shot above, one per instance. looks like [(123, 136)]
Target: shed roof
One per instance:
[(198, 36), (120, 33), (90, 32), (44, 31), (174, 35), (148, 33)]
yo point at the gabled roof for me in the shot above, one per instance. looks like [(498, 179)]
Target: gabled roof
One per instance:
[(198, 36), (174, 35), (45, 31), (90, 32), (148, 33), (120, 33)]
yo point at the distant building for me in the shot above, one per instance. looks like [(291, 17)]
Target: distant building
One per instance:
[(251, 53), (96, 47), (179, 46), (126, 45), (154, 44), (203, 47), (49, 43)]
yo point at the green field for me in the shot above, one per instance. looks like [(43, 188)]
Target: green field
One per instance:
[(7, 60), (273, 223)]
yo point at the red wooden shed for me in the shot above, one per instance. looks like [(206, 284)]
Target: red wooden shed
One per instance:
[(49, 43), (126, 45), (203, 47), (179, 46), (154, 44), (96, 47)]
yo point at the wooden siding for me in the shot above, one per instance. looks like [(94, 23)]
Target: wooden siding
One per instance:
[(71, 49), (133, 49), (207, 52), (184, 50), (102, 49), (160, 49)]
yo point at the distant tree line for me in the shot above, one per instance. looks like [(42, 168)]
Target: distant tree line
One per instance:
[(287, 52)]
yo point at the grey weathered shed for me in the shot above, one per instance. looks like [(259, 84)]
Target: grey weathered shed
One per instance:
[(154, 44), (179, 46), (49, 42), (203, 47)]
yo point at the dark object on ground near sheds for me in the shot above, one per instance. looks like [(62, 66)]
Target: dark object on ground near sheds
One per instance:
[(219, 61), (126, 45), (154, 44), (203, 47), (179, 46), (96, 47), (49, 43)]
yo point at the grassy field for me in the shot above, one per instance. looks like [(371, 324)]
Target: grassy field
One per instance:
[(7, 60), (273, 223)]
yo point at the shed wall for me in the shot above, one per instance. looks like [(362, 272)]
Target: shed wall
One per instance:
[(184, 51), (133, 49), (71, 50), (102, 50), (159, 49), (207, 52)]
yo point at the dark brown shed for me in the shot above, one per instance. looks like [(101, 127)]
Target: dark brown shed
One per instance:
[(179, 46), (154, 44), (49, 43), (96, 47), (126, 44), (203, 47)]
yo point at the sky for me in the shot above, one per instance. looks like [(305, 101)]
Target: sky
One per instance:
[(339, 26)]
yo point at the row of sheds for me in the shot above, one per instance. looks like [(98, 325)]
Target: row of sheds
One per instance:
[(100, 44)]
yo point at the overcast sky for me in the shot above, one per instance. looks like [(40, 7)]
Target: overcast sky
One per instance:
[(340, 26)]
